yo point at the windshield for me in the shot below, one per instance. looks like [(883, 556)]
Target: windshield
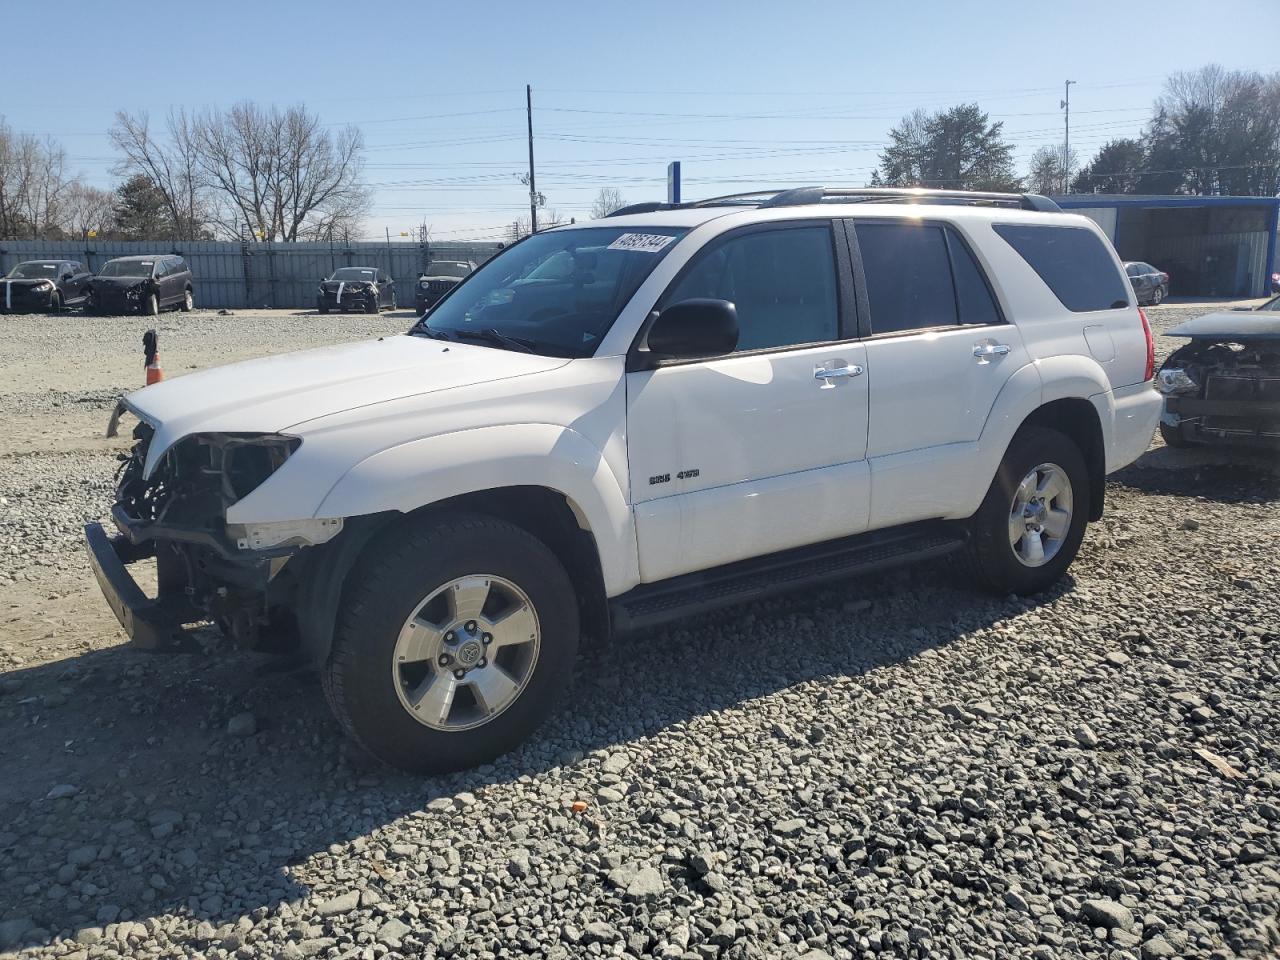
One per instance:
[(353, 273), (447, 268), (126, 268), (33, 270), (556, 293)]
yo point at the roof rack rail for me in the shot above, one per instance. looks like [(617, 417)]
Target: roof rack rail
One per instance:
[(800, 196), (806, 195)]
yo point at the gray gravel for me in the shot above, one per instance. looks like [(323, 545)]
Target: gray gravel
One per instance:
[(896, 767)]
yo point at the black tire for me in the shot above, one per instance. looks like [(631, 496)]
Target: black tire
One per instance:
[(321, 308), (372, 305), (994, 561), (55, 302), (150, 306), (359, 680), (1173, 437), (188, 300)]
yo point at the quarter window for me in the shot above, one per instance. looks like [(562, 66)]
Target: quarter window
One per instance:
[(782, 281), (973, 293), (1072, 261)]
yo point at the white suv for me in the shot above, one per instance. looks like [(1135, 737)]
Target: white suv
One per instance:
[(615, 424)]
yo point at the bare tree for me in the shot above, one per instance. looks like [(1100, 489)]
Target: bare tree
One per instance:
[(1048, 169), (172, 164), (282, 173), (607, 200), (85, 209)]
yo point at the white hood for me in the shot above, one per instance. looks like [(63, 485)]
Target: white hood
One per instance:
[(272, 394)]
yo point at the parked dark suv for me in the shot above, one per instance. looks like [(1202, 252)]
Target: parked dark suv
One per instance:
[(441, 277), (143, 285), (44, 285), (1151, 285), (357, 288)]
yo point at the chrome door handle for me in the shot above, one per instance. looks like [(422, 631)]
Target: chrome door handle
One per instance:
[(831, 373), (990, 349)]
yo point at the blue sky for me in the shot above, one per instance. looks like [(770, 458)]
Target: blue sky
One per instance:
[(746, 94)]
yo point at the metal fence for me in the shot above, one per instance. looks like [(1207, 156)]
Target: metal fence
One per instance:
[(234, 274)]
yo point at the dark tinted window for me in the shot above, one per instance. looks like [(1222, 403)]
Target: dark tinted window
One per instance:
[(977, 305), (782, 281), (908, 276), (1072, 261), (1132, 269)]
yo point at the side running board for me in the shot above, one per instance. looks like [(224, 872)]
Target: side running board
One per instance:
[(651, 604)]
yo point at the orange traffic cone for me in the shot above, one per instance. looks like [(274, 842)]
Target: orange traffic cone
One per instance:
[(151, 357)]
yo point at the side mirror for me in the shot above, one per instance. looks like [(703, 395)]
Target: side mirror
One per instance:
[(694, 328)]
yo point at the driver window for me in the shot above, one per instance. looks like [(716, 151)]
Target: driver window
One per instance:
[(782, 280)]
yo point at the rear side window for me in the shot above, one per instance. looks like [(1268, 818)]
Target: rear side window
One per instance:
[(1072, 261), (908, 276), (973, 294)]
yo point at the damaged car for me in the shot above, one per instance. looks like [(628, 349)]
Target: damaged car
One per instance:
[(440, 277), (1223, 386), (356, 288), (44, 285), (144, 285)]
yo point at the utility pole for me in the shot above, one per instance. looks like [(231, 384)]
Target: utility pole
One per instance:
[(533, 186), (1066, 141)]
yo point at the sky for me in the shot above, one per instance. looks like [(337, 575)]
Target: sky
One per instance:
[(747, 95)]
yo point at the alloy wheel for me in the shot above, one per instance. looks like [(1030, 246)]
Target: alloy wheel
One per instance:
[(1040, 515)]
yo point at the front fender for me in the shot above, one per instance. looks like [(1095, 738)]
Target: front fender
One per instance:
[(421, 472)]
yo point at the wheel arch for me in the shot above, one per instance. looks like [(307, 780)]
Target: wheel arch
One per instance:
[(546, 514)]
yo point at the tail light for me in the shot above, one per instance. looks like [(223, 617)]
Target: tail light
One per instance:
[(1150, 370), (1164, 278)]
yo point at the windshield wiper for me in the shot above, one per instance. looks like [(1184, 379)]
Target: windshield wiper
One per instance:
[(499, 339), (420, 329)]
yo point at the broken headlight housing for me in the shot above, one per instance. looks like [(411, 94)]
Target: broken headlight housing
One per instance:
[(1176, 382)]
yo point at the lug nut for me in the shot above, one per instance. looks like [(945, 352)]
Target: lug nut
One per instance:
[(459, 674), (449, 637), (487, 638), (445, 659), (471, 626), (482, 662)]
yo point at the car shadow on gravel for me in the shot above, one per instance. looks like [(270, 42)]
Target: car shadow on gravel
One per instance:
[(169, 813), (1219, 474)]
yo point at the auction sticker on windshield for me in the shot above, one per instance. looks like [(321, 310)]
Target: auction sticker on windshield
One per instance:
[(642, 242)]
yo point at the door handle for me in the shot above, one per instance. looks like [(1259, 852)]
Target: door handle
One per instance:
[(985, 351), (832, 373)]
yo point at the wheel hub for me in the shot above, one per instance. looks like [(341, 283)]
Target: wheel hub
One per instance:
[(1040, 516)]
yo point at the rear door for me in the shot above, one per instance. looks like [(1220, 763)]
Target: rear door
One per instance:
[(939, 350), (764, 449)]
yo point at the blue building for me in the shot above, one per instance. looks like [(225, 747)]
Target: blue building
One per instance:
[(1209, 246)]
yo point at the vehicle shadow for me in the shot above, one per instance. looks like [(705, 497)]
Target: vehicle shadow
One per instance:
[(172, 814), (1222, 474)]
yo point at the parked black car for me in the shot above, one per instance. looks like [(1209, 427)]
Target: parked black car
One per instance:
[(441, 277), (44, 285), (143, 285), (1151, 285), (1224, 385), (357, 288)]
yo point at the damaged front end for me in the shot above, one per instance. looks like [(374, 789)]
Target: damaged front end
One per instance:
[(237, 575), (1224, 389)]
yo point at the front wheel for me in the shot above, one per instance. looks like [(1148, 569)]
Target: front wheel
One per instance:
[(372, 305), (150, 306), (453, 645), (1032, 520), (1172, 437), (55, 302)]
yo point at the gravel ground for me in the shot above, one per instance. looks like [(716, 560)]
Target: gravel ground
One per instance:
[(1095, 773)]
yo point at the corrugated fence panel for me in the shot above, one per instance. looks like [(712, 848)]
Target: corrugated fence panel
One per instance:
[(232, 274)]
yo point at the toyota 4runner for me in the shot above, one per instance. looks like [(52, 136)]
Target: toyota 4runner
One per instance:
[(612, 425)]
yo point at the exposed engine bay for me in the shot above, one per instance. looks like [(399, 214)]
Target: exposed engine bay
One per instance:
[(1222, 390), (208, 569)]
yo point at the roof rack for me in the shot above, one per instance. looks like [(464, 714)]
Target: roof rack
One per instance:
[(808, 195)]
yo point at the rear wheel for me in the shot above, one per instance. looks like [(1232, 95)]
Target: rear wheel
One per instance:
[(453, 645), (1031, 523), (188, 301), (1157, 296)]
